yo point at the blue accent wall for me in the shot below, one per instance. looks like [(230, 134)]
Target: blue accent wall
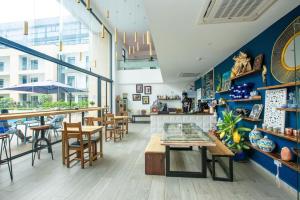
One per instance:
[(263, 43)]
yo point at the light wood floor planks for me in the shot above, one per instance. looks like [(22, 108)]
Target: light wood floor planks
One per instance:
[(120, 176)]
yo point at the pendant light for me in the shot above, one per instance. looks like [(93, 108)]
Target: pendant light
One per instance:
[(107, 13), (124, 38), (80, 56), (150, 49), (88, 4), (95, 63), (25, 27), (135, 36), (148, 38), (129, 50), (78, 1), (137, 46), (116, 35), (143, 38), (60, 46), (102, 30), (133, 49)]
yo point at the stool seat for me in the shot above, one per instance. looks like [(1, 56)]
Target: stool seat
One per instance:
[(3, 136), (39, 128)]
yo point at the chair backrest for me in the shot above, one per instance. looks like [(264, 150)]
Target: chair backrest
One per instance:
[(92, 121), (73, 130), (109, 119), (123, 113)]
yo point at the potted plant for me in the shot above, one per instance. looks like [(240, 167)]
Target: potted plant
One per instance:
[(233, 135), (92, 103)]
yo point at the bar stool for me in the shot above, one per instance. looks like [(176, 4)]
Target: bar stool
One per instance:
[(37, 142), (4, 138)]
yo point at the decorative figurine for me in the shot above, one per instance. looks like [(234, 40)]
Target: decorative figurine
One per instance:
[(286, 154), (241, 65), (266, 144), (254, 136), (264, 75)]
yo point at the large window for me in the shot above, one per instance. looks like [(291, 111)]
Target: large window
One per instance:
[(34, 64)]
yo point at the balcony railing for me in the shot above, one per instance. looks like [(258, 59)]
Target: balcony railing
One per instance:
[(138, 64)]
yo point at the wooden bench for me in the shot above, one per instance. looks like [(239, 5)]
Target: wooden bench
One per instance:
[(155, 157), (218, 151)]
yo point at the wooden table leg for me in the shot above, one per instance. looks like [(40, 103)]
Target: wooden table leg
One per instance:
[(90, 150), (63, 151), (101, 143), (126, 126)]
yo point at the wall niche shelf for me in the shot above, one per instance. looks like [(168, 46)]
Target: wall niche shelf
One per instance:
[(251, 119), (289, 109), (284, 85), (275, 156), (281, 135), (245, 74), (254, 98)]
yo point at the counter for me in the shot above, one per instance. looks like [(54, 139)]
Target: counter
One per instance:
[(157, 121)]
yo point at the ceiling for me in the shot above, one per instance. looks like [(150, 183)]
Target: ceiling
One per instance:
[(127, 16), (184, 46)]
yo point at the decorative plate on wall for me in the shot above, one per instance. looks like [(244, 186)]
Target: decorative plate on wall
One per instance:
[(275, 99), (284, 62)]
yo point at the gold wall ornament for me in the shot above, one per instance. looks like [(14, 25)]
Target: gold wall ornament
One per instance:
[(282, 68), (102, 31), (60, 46), (241, 65), (88, 4), (264, 75), (124, 37), (148, 38), (116, 35), (135, 36), (26, 28)]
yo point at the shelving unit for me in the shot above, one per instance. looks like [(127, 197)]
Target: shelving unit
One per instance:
[(223, 91), (275, 156), (254, 98), (289, 109), (281, 135), (245, 74), (169, 99), (251, 119), (284, 85)]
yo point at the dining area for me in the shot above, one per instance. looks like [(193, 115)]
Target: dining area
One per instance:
[(80, 132)]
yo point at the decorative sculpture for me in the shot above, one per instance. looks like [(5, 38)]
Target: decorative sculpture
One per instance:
[(241, 65), (264, 75)]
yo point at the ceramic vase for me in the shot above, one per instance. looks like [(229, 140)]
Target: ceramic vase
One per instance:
[(266, 144), (254, 136), (286, 154)]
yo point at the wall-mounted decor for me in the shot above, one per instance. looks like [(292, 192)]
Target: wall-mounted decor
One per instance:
[(258, 62), (208, 85), (226, 82), (275, 99), (148, 90), (136, 97), (284, 65), (145, 100), (139, 88), (256, 111), (241, 65)]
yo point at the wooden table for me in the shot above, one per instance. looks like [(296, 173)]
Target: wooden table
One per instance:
[(124, 120), (142, 116), (88, 131)]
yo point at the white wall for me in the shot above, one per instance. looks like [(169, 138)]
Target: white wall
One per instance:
[(139, 76), (157, 89)]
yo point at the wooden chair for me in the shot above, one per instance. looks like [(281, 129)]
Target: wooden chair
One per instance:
[(92, 121), (123, 124), (73, 131), (112, 128)]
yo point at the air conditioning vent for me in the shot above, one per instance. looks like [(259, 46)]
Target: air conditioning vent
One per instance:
[(188, 75), (226, 11)]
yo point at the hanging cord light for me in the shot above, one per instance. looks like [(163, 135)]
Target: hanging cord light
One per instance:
[(116, 35), (78, 1), (25, 27), (150, 49), (102, 31), (129, 50), (124, 38), (88, 4), (148, 38)]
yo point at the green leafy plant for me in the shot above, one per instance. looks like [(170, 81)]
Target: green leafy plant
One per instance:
[(6, 103), (229, 132), (92, 103)]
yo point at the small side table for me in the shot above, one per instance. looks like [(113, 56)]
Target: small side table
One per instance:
[(5, 148)]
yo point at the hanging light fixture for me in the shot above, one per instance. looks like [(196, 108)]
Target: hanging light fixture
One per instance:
[(107, 13), (143, 38), (137, 46), (60, 46), (148, 38), (133, 49), (80, 56), (129, 50), (95, 63), (150, 49), (135, 36), (88, 4), (116, 35), (25, 27), (124, 37), (78, 1), (102, 31)]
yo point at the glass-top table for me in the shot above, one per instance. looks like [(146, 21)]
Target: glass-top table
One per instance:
[(183, 136), (189, 133)]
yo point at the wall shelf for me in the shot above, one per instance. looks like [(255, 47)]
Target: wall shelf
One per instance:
[(281, 135), (245, 74), (222, 91), (254, 98), (284, 85), (289, 109), (274, 156), (251, 119)]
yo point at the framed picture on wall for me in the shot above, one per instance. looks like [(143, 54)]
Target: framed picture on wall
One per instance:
[(256, 111), (148, 90), (136, 97), (226, 82), (258, 62), (139, 88), (145, 100)]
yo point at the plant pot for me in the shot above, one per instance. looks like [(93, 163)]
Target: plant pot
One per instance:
[(240, 156)]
